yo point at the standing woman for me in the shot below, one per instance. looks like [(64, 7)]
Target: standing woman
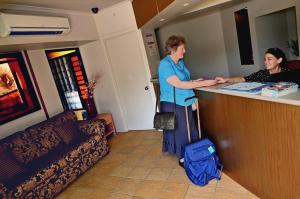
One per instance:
[(172, 72)]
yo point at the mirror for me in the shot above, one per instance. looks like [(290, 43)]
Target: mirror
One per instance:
[(278, 29)]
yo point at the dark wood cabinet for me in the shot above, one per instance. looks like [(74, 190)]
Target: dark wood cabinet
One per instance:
[(145, 10)]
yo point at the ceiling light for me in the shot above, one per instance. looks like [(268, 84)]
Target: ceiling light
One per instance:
[(161, 19), (186, 4)]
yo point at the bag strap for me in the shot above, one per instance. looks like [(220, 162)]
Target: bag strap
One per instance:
[(174, 96)]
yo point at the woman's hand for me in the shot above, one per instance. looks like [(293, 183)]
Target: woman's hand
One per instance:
[(221, 80)]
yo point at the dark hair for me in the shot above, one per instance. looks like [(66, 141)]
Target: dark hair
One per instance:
[(173, 42), (278, 54)]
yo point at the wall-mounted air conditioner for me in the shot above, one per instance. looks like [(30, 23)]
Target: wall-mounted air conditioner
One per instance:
[(15, 24)]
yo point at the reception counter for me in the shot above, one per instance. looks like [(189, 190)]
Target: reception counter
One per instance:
[(257, 139), (293, 98)]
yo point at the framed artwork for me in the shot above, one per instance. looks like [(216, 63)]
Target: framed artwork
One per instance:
[(17, 95), (70, 77)]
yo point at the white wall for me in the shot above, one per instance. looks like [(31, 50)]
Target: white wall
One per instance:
[(255, 8), (271, 31), (291, 21), (292, 28), (115, 20), (206, 55), (110, 22), (21, 123), (153, 57), (106, 99), (45, 81)]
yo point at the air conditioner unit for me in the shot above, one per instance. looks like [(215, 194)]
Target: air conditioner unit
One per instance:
[(15, 24)]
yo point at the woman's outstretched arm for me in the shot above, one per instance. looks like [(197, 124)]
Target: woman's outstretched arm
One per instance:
[(176, 82), (221, 80)]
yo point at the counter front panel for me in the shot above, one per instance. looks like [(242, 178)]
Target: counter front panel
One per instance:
[(258, 141)]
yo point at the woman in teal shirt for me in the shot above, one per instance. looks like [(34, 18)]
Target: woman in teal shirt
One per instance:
[(172, 72)]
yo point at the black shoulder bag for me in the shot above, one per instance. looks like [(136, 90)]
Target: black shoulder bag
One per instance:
[(165, 120)]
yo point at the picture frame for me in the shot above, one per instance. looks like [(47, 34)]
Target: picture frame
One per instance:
[(17, 94)]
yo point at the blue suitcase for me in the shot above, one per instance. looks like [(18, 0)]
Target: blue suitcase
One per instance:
[(201, 163)]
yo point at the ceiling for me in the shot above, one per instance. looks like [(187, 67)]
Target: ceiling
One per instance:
[(74, 5), (183, 8), (176, 9), (86, 5)]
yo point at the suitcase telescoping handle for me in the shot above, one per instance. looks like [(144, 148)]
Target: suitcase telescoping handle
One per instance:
[(187, 118)]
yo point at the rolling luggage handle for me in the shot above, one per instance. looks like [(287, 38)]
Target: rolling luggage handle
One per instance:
[(201, 163), (187, 118)]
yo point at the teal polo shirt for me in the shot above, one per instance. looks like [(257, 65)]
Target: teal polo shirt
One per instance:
[(168, 68)]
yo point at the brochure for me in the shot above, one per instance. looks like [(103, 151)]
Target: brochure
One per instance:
[(279, 89), (246, 87)]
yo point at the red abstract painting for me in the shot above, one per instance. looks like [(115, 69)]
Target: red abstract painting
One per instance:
[(17, 96)]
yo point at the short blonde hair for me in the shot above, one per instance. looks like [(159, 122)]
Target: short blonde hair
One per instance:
[(173, 42)]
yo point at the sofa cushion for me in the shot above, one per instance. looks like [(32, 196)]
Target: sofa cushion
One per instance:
[(63, 168), (44, 161), (92, 127), (9, 166), (34, 142), (68, 131), (63, 117)]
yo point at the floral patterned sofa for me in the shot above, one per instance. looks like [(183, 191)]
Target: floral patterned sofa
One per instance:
[(42, 160)]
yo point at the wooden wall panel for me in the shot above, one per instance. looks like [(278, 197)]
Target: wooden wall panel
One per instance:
[(257, 141), (162, 4), (144, 10)]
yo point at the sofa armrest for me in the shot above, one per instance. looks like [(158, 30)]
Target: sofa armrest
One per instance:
[(94, 126), (3, 192)]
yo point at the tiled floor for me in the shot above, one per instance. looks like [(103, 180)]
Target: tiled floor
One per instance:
[(136, 168)]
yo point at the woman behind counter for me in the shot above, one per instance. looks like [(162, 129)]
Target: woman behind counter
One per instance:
[(172, 72), (275, 62)]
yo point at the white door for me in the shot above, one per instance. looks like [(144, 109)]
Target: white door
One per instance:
[(129, 73)]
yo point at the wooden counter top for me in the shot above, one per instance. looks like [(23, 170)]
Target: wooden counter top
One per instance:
[(293, 98)]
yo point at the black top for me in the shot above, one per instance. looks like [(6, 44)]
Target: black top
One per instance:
[(261, 76), (288, 76)]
